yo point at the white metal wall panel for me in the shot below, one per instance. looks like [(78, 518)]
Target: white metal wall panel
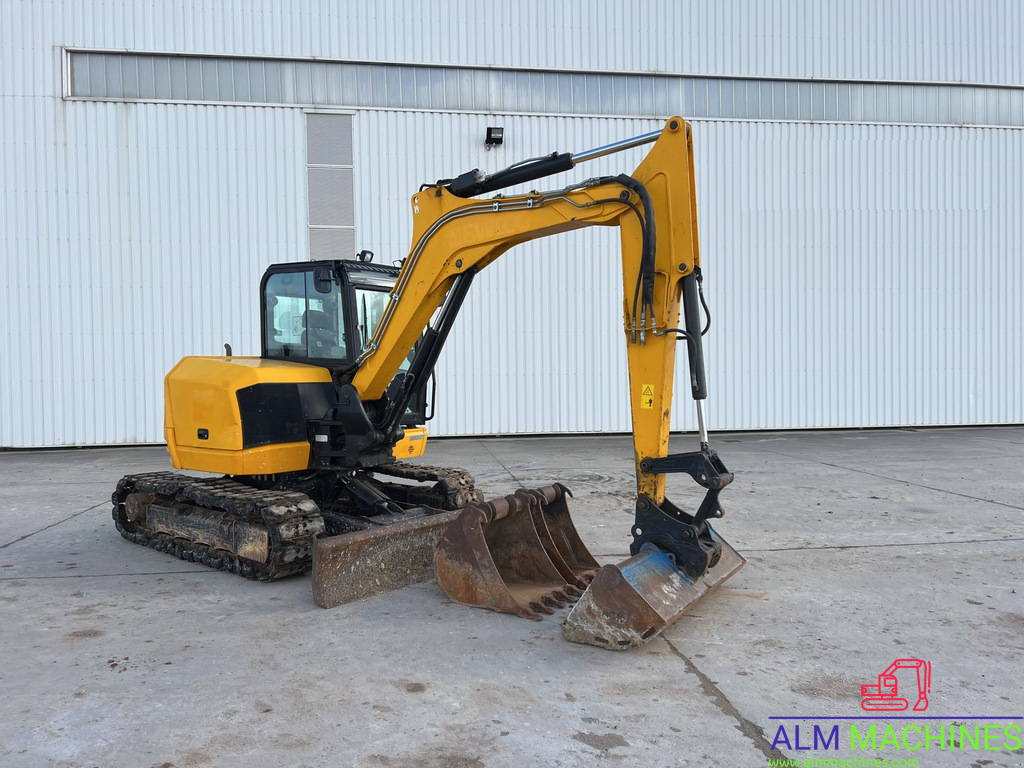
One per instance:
[(941, 40), (133, 235), (862, 275), (858, 276), (539, 345)]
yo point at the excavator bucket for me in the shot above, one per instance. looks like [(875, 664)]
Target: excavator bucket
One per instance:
[(628, 604), (520, 554)]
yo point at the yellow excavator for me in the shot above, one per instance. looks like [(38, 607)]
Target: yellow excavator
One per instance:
[(308, 438)]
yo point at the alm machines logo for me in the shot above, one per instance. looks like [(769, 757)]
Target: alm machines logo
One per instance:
[(902, 732), (884, 696)]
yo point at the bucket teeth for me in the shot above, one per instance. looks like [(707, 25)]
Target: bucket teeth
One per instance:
[(541, 607), (520, 554)]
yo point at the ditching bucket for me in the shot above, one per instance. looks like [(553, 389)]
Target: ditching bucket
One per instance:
[(520, 554), (628, 604)]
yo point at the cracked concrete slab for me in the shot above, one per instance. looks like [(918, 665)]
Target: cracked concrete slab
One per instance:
[(863, 547)]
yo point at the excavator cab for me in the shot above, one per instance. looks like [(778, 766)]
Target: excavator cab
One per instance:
[(324, 313), (254, 416)]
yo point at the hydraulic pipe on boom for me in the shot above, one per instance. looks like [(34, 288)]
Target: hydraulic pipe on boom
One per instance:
[(655, 210), (475, 183)]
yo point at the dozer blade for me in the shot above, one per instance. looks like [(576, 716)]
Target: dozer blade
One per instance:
[(381, 559), (520, 554), (628, 604)]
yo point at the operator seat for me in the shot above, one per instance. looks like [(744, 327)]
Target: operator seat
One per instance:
[(318, 337)]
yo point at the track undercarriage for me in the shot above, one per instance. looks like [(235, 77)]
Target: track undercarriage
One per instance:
[(263, 528)]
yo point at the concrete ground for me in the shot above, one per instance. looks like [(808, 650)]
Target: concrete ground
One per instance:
[(863, 547)]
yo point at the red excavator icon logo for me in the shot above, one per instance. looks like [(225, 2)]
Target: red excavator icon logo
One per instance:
[(884, 697)]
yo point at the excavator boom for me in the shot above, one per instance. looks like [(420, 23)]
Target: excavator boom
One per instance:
[(677, 556), (655, 210)]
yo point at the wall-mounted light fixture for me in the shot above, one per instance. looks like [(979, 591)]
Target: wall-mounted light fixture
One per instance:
[(495, 137)]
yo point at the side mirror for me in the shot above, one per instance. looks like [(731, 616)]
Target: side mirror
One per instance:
[(323, 280)]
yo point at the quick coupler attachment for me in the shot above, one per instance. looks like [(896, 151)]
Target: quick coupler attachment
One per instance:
[(705, 467), (690, 544), (686, 538), (520, 554)]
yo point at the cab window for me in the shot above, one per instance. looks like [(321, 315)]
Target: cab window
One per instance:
[(371, 301), (370, 305), (302, 321)]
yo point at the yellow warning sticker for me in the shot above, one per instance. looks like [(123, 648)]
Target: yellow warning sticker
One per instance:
[(647, 396)]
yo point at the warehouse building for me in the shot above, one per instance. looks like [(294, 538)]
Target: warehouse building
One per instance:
[(860, 177)]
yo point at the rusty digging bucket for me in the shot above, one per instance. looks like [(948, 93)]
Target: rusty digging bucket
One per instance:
[(522, 555)]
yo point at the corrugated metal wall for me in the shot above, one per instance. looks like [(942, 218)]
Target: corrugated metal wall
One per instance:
[(539, 346), (137, 235), (859, 275), (863, 275), (940, 40)]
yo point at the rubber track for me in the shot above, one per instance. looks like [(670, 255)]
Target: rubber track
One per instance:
[(292, 521), (454, 489)]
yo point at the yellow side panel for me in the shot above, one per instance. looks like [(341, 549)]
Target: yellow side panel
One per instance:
[(264, 460), (413, 444), (202, 424)]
